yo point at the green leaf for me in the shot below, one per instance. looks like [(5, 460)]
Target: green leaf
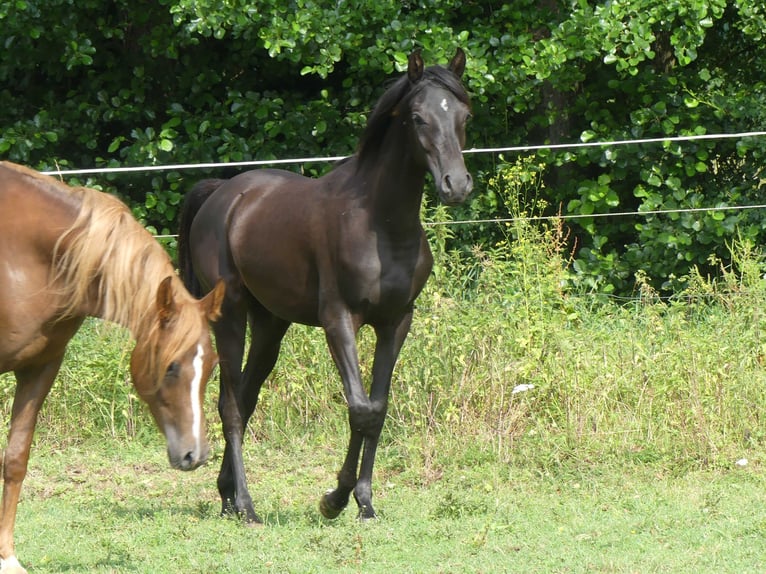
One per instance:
[(115, 145), (654, 180), (691, 102), (319, 128)]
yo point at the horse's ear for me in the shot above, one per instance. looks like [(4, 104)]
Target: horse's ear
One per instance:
[(457, 65), (415, 66), (166, 303), (211, 303)]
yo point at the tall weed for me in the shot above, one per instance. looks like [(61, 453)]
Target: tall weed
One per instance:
[(507, 355), (92, 395)]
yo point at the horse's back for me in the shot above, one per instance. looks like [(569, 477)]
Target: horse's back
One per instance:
[(215, 210), (33, 215)]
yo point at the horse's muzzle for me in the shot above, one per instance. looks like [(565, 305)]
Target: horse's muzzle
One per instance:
[(189, 460), (455, 187)]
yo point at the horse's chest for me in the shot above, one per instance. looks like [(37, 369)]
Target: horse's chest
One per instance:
[(384, 277)]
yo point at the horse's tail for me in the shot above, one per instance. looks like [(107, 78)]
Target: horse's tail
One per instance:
[(193, 201)]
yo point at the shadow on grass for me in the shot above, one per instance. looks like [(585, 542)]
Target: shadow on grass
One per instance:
[(210, 511)]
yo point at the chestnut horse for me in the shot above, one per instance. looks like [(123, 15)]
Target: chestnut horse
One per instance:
[(68, 253), (341, 251)]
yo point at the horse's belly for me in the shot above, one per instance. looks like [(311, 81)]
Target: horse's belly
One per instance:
[(291, 296)]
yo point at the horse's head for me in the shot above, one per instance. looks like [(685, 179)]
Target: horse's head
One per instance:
[(170, 366), (438, 111)]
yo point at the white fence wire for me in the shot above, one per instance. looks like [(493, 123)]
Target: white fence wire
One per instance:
[(495, 150)]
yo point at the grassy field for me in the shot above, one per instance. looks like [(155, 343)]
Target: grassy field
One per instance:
[(625, 453), (112, 507)]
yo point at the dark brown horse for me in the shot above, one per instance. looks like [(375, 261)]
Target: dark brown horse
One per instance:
[(68, 253), (341, 251)]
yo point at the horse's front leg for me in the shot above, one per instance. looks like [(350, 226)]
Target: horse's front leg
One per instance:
[(366, 413), (32, 386), (390, 338), (340, 331)]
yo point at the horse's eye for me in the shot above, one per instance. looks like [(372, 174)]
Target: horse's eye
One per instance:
[(173, 369), (418, 120)]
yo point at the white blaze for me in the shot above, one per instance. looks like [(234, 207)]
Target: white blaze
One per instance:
[(195, 398), (444, 105)]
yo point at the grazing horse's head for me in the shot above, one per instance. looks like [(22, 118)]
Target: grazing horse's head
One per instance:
[(170, 366), (438, 108)]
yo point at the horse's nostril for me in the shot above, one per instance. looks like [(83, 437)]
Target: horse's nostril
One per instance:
[(447, 183), (190, 461)]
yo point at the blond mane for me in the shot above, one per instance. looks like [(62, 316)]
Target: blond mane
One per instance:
[(107, 262)]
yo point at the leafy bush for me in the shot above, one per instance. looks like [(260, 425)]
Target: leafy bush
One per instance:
[(181, 81)]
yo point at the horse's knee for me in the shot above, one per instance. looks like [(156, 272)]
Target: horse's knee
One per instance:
[(368, 418), (14, 468)]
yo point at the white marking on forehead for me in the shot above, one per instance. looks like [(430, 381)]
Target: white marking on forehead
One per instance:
[(444, 105), (196, 401)]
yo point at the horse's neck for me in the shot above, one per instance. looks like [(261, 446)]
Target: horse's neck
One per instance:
[(395, 186), (130, 302), (132, 314)]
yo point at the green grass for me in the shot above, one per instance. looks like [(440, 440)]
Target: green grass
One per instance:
[(621, 457), (108, 508)]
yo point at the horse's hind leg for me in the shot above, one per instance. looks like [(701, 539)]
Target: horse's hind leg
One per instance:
[(266, 338), (230, 340), (32, 386), (267, 332)]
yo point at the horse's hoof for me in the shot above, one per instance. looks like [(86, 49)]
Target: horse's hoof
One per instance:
[(366, 514), (366, 511), (248, 517), (327, 509)]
